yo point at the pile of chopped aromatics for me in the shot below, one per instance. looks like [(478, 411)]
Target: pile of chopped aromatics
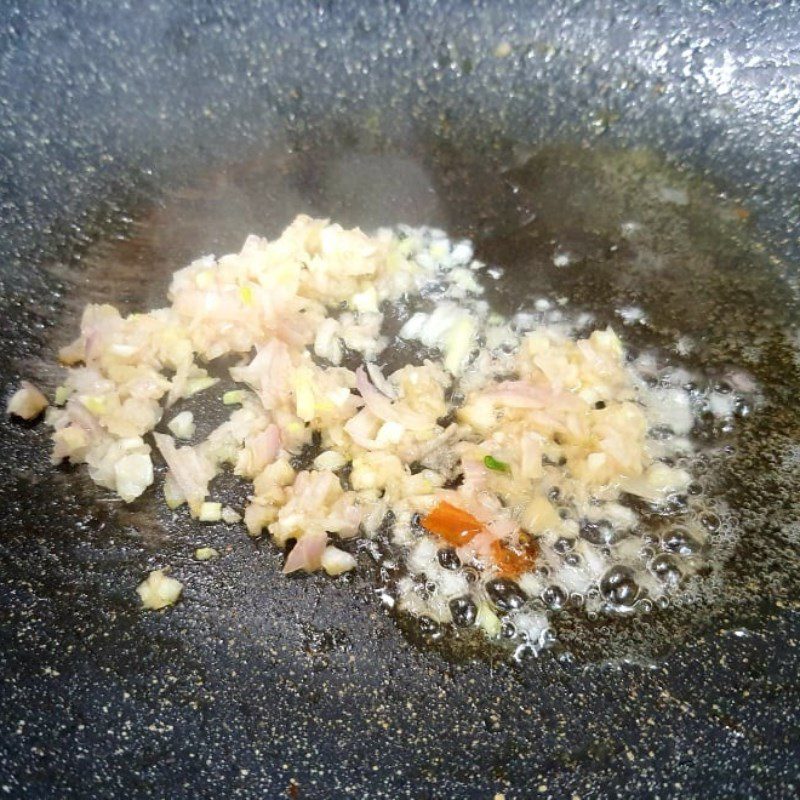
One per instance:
[(500, 460)]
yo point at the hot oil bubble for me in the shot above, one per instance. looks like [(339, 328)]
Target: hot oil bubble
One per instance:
[(524, 652), (741, 408), (471, 574), (710, 521), (448, 558), (666, 569), (505, 594), (464, 611), (619, 587), (627, 560), (676, 505), (645, 605), (563, 545), (430, 628), (599, 532), (576, 599), (554, 597), (680, 542), (508, 630)]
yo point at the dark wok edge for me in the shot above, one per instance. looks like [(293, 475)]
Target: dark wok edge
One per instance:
[(103, 103)]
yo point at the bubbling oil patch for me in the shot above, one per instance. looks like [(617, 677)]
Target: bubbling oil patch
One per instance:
[(616, 548)]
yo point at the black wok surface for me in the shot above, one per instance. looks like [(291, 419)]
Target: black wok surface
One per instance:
[(134, 136)]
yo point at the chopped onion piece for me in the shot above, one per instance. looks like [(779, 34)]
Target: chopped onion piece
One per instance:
[(380, 382), (307, 553), (195, 385), (488, 620), (205, 553), (233, 397), (27, 402), (382, 407), (458, 344), (304, 394), (336, 561), (365, 302), (133, 474), (330, 459), (182, 425), (229, 516), (159, 591), (190, 470), (210, 512), (62, 395)]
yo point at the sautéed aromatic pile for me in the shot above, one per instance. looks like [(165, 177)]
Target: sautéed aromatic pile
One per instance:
[(512, 466)]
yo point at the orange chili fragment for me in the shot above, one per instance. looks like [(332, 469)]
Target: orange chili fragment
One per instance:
[(458, 527), (455, 526), (513, 561)]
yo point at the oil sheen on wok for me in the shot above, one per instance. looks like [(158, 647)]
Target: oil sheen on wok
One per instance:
[(477, 423)]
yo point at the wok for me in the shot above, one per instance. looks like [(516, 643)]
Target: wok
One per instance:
[(135, 136)]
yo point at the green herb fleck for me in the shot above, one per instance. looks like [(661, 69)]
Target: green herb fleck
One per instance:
[(490, 462)]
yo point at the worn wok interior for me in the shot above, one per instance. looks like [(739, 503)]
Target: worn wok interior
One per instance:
[(134, 137)]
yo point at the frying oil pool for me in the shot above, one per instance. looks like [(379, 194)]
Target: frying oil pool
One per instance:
[(579, 238)]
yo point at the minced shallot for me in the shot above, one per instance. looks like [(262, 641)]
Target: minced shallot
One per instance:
[(531, 431)]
